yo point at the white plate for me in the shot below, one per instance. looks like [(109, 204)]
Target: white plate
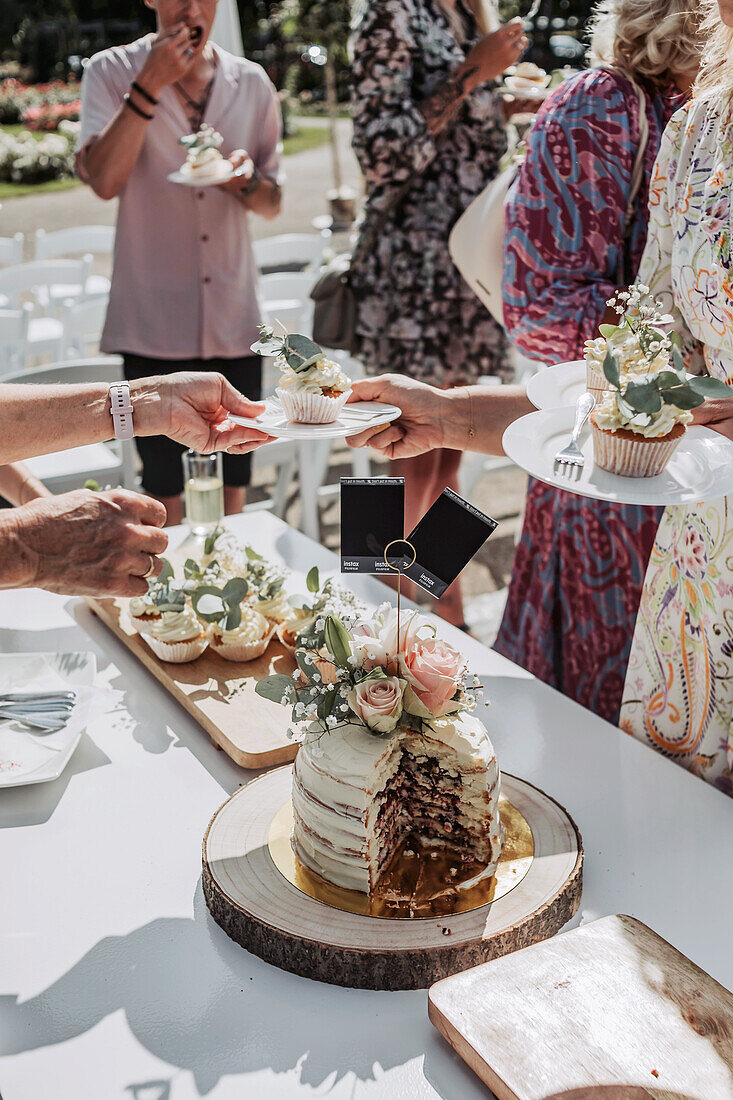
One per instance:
[(700, 469), (190, 181), (560, 385), (353, 419), (28, 757)]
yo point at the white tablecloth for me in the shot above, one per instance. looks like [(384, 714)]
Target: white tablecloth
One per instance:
[(116, 983)]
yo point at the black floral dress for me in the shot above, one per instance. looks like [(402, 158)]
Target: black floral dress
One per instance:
[(416, 315)]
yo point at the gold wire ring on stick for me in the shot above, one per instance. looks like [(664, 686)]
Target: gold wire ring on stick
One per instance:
[(395, 568)]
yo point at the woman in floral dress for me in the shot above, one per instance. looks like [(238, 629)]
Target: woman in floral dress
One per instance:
[(678, 694), (422, 102), (579, 567)]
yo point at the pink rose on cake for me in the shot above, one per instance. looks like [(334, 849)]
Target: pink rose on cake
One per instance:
[(374, 642), (377, 701), (433, 669)]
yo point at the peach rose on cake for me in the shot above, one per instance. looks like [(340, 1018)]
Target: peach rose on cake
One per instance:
[(375, 643), (433, 670), (377, 701)]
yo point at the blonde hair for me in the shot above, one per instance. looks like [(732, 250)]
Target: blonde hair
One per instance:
[(716, 71), (648, 39)]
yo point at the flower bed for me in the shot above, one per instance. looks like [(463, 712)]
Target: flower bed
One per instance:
[(47, 116), (25, 159), (16, 98)]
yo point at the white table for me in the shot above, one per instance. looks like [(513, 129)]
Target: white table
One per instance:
[(116, 983)]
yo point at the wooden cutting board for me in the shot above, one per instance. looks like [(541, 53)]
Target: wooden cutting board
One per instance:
[(219, 694), (609, 1011)]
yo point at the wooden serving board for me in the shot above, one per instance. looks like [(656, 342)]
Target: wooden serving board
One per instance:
[(609, 1011), (219, 694), (259, 908)]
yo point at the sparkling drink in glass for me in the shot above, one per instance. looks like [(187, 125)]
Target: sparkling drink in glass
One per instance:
[(203, 490)]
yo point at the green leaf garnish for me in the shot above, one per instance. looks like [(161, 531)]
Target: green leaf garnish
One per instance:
[(234, 591), (710, 387), (611, 369), (608, 330), (276, 688), (252, 555), (644, 397), (313, 580), (337, 641)]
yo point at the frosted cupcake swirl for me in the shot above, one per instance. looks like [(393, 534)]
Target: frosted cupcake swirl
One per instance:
[(142, 605), (253, 628), (177, 626), (276, 607), (613, 414), (323, 375), (625, 347)]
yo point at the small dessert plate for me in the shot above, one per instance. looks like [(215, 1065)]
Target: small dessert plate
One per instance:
[(559, 385), (353, 419), (27, 755), (700, 469), (202, 181)]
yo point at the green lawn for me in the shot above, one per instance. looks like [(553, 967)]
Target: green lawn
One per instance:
[(307, 138)]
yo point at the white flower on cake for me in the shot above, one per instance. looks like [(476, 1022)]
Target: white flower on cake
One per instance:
[(313, 389)]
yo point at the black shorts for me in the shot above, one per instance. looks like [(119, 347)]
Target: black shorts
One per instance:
[(160, 456)]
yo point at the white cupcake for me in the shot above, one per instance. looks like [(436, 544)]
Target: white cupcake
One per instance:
[(276, 607), (315, 395), (245, 642), (636, 445), (288, 631), (178, 637), (143, 613)]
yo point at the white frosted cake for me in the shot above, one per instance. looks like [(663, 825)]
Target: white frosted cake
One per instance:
[(393, 762), (356, 797)]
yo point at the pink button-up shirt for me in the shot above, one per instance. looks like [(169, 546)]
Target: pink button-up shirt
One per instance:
[(184, 281)]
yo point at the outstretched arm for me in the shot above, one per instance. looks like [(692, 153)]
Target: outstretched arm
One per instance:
[(191, 408)]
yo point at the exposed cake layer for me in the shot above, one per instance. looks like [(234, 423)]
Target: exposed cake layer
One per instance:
[(356, 794)]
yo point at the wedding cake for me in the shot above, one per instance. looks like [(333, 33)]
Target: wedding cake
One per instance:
[(393, 763)]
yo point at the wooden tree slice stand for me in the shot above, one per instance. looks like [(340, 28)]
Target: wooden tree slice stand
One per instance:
[(261, 910)]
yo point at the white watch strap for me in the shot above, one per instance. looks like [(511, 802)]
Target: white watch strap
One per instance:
[(121, 410)]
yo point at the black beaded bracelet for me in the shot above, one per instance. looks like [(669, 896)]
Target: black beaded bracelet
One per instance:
[(134, 107), (144, 94)]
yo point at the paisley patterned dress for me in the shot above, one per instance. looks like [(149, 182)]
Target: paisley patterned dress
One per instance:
[(678, 695), (416, 315), (580, 564)]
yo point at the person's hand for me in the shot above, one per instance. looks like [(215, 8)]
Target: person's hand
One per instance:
[(169, 60), (243, 165), (494, 53), (91, 544), (516, 105), (418, 429), (716, 413), (192, 408)]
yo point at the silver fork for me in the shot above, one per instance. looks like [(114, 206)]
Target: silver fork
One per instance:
[(571, 457)]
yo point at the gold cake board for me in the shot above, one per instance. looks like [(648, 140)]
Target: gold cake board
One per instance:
[(256, 905)]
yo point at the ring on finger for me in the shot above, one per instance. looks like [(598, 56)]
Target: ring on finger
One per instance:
[(151, 568)]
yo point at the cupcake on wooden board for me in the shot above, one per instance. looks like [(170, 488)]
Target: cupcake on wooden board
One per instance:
[(145, 611), (312, 389), (178, 637), (236, 631), (639, 422)]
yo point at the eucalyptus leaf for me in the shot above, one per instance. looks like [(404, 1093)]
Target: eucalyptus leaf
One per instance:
[(710, 387), (252, 555), (643, 396), (302, 349), (191, 569), (608, 330), (682, 397), (276, 688), (325, 704), (667, 379), (210, 541), (313, 580), (305, 662), (338, 642), (679, 362), (234, 617), (611, 369), (675, 339), (234, 591), (207, 590), (166, 572)]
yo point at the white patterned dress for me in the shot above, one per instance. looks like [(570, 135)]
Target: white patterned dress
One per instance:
[(678, 694)]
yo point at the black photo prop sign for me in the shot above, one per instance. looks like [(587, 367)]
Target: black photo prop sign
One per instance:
[(372, 516), (450, 533)]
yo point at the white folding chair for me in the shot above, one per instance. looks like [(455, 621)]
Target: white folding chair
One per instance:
[(110, 463), (14, 324), (285, 297), (11, 250), (82, 323), (289, 252), (99, 239), (35, 279)]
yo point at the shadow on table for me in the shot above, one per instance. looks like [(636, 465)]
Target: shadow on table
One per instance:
[(33, 804), (200, 1003)]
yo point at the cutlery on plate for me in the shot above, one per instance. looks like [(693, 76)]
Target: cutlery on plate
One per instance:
[(37, 696), (571, 458), (48, 721)]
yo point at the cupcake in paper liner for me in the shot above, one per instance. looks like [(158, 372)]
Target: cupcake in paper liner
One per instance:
[(143, 613), (275, 607), (631, 443), (317, 407), (178, 637), (245, 642), (288, 631)]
